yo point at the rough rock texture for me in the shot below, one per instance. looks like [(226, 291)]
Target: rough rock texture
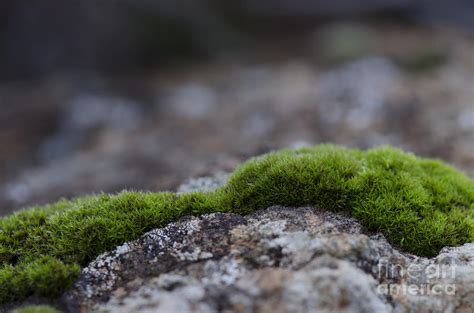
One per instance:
[(276, 260)]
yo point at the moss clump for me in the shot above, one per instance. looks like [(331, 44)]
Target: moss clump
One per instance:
[(36, 309), (421, 205)]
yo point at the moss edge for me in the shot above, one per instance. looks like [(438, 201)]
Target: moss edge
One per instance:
[(36, 309)]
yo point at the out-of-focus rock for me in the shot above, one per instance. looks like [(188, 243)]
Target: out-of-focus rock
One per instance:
[(204, 184), (191, 101), (70, 136), (354, 95), (340, 43)]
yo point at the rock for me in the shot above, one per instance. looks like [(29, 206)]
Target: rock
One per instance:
[(356, 92), (204, 184), (191, 101), (276, 260), (343, 42)]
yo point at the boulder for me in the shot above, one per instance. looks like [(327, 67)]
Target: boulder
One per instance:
[(279, 259)]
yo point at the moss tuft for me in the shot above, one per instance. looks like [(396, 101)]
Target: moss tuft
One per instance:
[(421, 205), (36, 309)]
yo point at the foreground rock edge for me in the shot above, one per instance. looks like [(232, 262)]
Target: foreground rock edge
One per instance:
[(283, 259)]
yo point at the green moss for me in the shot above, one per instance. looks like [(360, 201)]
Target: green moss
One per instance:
[(426, 59), (421, 205), (36, 309)]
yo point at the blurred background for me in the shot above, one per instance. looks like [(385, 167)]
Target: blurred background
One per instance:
[(141, 94)]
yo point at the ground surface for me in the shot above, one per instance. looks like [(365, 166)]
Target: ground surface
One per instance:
[(70, 135)]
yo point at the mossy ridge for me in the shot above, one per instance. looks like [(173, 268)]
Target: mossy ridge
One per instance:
[(36, 309), (421, 205)]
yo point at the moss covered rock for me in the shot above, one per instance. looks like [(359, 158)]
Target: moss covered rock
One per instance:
[(420, 205)]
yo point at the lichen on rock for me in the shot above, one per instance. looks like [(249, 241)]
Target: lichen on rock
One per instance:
[(281, 259)]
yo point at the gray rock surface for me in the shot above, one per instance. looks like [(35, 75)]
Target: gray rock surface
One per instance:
[(276, 260), (204, 184)]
